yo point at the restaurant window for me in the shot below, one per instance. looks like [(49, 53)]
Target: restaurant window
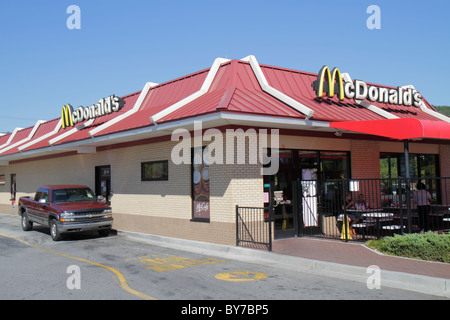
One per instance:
[(334, 165), (392, 165), (422, 167), (155, 171)]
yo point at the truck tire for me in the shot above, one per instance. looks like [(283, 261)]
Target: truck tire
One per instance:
[(54, 230), (104, 232), (26, 224)]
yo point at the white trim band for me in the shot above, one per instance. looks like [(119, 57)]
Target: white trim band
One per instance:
[(274, 92)]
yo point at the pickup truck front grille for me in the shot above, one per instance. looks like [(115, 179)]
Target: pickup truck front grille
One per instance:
[(87, 216), (86, 213)]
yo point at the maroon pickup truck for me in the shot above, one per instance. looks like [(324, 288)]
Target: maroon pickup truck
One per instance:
[(65, 208)]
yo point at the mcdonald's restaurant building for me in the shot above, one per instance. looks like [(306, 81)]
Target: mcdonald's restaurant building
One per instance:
[(146, 152)]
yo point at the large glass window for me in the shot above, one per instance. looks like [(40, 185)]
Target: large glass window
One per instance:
[(334, 165), (392, 165), (422, 167)]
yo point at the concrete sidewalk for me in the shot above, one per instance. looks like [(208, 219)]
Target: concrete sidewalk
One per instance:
[(357, 254), (348, 261)]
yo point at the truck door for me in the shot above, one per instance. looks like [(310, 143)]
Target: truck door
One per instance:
[(41, 212), (32, 206)]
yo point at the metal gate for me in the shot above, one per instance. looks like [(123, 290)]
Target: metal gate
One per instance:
[(308, 206), (253, 228), (320, 205)]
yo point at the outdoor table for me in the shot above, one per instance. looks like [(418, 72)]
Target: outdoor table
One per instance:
[(378, 216), (361, 210), (357, 211)]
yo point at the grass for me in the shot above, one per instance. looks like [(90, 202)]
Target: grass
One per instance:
[(428, 246)]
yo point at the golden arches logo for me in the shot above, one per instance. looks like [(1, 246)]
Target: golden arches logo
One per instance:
[(66, 116), (320, 86)]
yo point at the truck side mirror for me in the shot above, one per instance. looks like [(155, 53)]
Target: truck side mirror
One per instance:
[(42, 201)]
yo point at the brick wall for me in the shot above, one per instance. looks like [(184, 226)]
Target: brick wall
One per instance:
[(444, 159), (365, 164), (157, 207), (365, 157)]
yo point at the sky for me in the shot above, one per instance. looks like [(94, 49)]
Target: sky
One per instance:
[(121, 45)]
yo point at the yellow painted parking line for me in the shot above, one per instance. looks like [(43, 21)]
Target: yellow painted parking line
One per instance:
[(122, 281), (239, 276)]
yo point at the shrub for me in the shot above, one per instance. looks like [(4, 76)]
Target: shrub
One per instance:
[(428, 246)]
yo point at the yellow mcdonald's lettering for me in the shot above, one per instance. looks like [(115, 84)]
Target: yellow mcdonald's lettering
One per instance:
[(66, 116), (331, 79), (359, 90)]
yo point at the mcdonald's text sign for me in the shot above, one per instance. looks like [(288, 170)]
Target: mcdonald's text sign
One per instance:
[(331, 83), (71, 117)]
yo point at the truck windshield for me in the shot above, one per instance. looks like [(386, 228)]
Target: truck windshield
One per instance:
[(72, 195)]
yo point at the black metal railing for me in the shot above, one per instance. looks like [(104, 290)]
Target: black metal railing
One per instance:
[(253, 228), (350, 209), (361, 209)]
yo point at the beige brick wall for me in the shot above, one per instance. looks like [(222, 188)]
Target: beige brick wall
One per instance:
[(157, 207)]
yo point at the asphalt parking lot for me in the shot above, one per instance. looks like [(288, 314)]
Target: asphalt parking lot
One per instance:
[(90, 267)]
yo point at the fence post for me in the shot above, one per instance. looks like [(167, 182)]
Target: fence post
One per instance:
[(237, 225), (270, 227), (345, 224), (408, 204)]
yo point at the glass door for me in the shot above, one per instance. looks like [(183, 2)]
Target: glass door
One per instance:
[(302, 190), (13, 187), (279, 193), (308, 170), (103, 183)]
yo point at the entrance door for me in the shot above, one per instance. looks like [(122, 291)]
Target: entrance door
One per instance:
[(302, 189), (309, 204), (103, 183), (320, 189), (280, 192), (308, 170)]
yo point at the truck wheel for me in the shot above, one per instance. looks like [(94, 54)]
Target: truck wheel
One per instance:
[(26, 224), (54, 231), (104, 232)]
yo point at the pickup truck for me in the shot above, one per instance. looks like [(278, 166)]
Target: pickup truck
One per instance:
[(65, 208)]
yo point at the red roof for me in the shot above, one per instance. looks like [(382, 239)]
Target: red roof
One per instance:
[(234, 89), (82, 134), (159, 98), (298, 85)]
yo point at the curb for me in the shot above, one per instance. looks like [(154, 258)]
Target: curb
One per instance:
[(392, 279)]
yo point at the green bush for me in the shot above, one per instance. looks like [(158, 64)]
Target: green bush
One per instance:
[(428, 246)]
